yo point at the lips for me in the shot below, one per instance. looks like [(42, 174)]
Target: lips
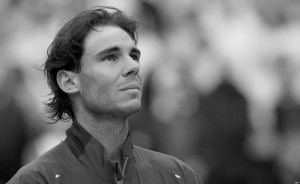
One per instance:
[(131, 86)]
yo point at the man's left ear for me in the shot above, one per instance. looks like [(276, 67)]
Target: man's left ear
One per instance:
[(67, 81)]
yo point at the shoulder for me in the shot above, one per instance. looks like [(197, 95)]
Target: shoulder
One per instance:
[(26, 175), (165, 163), (44, 168)]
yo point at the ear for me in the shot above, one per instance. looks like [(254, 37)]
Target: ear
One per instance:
[(67, 81)]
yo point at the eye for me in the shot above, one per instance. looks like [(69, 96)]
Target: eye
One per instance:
[(135, 57), (110, 57)]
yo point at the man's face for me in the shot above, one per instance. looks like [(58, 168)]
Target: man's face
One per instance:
[(109, 80)]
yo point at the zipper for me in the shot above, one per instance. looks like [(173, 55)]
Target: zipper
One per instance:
[(122, 172), (124, 168)]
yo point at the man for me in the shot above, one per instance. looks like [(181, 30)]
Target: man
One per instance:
[(93, 71)]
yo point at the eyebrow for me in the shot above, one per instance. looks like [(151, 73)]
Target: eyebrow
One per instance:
[(108, 50), (116, 49)]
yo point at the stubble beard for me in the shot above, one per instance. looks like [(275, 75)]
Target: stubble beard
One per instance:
[(113, 112)]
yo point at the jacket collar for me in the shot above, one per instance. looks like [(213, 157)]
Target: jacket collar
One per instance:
[(87, 149)]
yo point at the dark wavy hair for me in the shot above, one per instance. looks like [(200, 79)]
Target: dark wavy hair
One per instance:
[(66, 50)]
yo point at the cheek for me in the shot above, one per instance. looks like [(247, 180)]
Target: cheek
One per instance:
[(99, 84), (104, 90), (94, 95), (95, 89)]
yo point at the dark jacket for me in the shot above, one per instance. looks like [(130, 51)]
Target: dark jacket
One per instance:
[(80, 159)]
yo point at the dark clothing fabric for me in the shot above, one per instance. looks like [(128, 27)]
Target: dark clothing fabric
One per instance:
[(81, 159)]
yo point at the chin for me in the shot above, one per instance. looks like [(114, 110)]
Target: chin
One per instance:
[(130, 109)]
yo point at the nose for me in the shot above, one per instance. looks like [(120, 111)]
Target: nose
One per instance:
[(132, 67)]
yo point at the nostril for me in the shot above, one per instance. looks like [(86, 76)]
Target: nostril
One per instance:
[(133, 69), (132, 72)]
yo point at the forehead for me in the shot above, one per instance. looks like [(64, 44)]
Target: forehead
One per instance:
[(107, 36)]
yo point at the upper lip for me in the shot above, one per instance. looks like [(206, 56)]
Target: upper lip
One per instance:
[(130, 86)]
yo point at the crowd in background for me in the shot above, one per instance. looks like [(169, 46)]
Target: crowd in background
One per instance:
[(221, 90)]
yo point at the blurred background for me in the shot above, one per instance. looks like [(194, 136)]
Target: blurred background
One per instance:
[(222, 84)]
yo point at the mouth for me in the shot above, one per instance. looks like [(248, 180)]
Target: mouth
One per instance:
[(132, 86)]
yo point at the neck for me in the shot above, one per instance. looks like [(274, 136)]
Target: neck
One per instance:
[(111, 133)]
